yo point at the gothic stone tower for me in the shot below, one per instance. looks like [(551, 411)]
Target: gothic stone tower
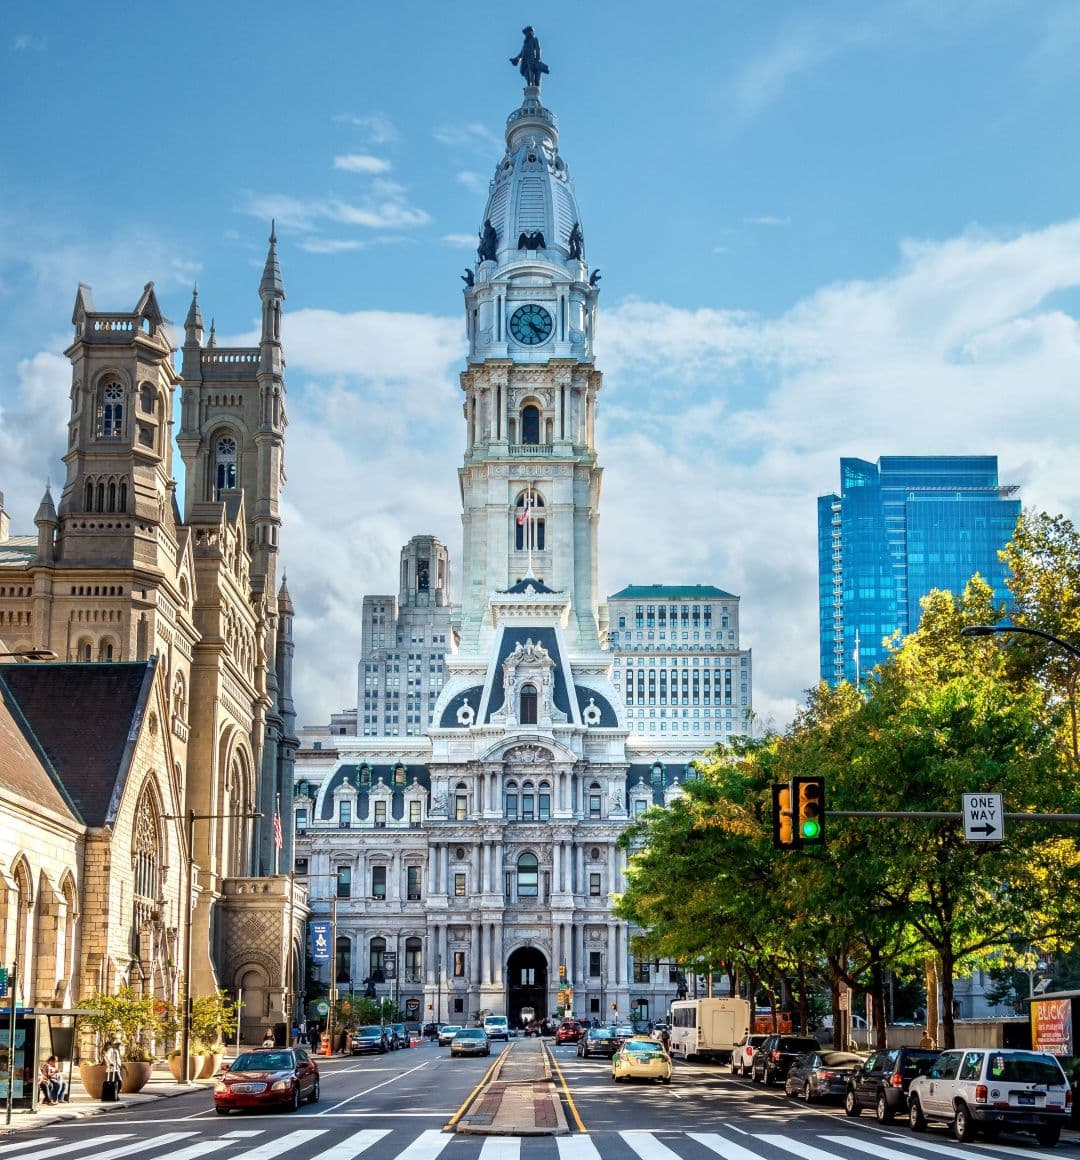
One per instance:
[(528, 764)]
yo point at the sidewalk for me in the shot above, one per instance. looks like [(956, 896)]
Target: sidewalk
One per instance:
[(520, 1099)]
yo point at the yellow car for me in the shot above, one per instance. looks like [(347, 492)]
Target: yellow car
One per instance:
[(641, 1058)]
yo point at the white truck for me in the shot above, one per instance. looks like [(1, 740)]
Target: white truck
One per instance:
[(708, 1028)]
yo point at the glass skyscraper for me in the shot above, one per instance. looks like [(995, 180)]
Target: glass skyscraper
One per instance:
[(898, 529)]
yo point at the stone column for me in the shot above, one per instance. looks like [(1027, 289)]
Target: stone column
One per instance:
[(476, 975), (498, 955), (612, 965), (556, 867)]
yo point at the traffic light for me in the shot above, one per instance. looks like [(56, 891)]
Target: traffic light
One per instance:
[(809, 794), (783, 824), (562, 972)]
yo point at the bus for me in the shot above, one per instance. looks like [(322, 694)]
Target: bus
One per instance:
[(708, 1028)]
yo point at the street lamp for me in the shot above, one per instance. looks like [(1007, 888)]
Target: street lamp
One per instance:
[(189, 819), (31, 654), (992, 629)]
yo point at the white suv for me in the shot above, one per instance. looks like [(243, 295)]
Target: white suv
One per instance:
[(742, 1055), (497, 1026), (989, 1090)]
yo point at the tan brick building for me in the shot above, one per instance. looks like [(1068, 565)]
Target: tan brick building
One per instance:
[(118, 579)]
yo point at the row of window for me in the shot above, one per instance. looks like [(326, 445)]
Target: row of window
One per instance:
[(628, 636)]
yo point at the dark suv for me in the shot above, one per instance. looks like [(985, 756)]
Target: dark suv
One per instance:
[(883, 1080), (773, 1059)]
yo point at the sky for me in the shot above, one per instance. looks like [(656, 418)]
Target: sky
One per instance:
[(824, 229)]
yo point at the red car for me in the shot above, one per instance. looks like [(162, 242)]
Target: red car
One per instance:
[(258, 1079), (569, 1032)]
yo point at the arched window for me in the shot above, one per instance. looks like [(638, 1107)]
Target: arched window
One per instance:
[(88, 504), (110, 410), (112, 496), (146, 851), (528, 876), (84, 651), (224, 464), (530, 424), (377, 961), (528, 715), (511, 801), (106, 650), (147, 397), (122, 504), (414, 963), (531, 525), (343, 955)]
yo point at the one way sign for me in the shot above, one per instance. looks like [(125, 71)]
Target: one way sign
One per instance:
[(984, 817)]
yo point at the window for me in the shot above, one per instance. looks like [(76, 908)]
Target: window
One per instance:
[(301, 820), (459, 964), (528, 807), (641, 971), (594, 805), (343, 955), (596, 964), (413, 960), (511, 805), (533, 525), (380, 815), (459, 1006), (412, 883), (110, 411), (530, 424), (377, 959), (594, 885), (378, 882), (545, 804), (461, 807), (344, 882), (528, 705), (300, 865), (224, 465), (459, 885), (345, 814), (414, 815), (528, 876)]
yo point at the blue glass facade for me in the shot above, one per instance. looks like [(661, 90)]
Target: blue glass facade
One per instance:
[(898, 529)]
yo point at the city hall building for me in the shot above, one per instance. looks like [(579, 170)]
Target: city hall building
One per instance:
[(461, 824)]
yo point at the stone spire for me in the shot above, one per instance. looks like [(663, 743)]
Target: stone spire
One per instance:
[(272, 293), (46, 521), (193, 324), (271, 280)]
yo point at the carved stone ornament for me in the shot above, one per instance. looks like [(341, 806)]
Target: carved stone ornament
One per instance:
[(591, 714), (466, 715), (527, 755)]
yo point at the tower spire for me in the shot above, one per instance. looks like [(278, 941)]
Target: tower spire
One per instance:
[(272, 292), (193, 324)]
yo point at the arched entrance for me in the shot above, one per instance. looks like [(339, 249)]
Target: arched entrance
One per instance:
[(527, 972)]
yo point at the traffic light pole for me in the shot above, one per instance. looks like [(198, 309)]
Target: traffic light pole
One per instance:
[(953, 814)]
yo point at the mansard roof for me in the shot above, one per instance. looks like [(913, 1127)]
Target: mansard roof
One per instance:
[(25, 771), (672, 592), (530, 583), (84, 719)]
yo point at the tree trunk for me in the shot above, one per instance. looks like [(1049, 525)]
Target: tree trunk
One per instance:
[(877, 991), (804, 1007), (948, 1020), (933, 1030)]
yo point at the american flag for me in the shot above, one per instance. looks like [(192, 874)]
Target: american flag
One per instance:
[(278, 840), (523, 515)]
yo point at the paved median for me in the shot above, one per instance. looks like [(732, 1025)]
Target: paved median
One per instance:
[(519, 1097)]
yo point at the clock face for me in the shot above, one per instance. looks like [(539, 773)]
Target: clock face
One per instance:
[(531, 325)]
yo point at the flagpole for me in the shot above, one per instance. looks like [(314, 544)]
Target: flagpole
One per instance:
[(277, 833), (529, 533)]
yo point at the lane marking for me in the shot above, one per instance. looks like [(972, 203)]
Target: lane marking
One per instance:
[(374, 1088), (723, 1147), (426, 1146), (566, 1089), (958, 1153), (648, 1147), (355, 1144), (576, 1148), (75, 1145), (472, 1095), (500, 1148), (28, 1143), (284, 1144)]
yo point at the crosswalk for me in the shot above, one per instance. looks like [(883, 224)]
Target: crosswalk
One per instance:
[(730, 1143)]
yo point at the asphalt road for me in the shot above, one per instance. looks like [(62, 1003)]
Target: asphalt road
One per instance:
[(394, 1107)]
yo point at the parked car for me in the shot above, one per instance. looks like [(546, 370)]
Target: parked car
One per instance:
[(597, 1041), (819, 1074), (743, 1054), (622, 1032), (372, 1038), (883, 1080), (447, 1031), (255, 1079), (640, 1057), (399, 1037), (990, 1090), (569, 1031), (776, 1055), (470, 1041)]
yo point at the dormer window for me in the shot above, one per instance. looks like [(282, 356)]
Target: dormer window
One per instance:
[(528, 708), (530, 424)]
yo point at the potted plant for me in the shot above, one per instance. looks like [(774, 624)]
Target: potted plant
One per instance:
[(129, 1019), (210, 1015)]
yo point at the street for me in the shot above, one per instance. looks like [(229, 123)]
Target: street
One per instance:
[(395, 1107)]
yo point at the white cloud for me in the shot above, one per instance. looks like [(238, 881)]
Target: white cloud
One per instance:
[(361, 163), (377, 127), (767, 220), (384, 207), (21, 43), (462, 241), (474, 182), (328, 245), (476, 137)]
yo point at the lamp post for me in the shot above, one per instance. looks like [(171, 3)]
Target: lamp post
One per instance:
[(189, 819), (1023, 630)]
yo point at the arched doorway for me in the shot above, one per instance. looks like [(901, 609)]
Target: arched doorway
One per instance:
[(527, 971)]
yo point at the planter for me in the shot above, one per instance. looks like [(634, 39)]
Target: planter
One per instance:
[(136, 1073), (92, 1076), (195, 1063), (210, 1063)]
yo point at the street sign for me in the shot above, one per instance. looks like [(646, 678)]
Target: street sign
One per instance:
[(984, 817), (322, 1007)]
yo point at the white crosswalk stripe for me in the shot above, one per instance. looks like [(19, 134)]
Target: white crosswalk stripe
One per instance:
[(109, 1153), (916, 1142), (724, 1147), (500, 1148), (72, 1146), (576, 1148), (800, 1147), (427, 1145), (276, 1147), (10, 1147), (648, 1147), (196, 1150), (355, 1144)]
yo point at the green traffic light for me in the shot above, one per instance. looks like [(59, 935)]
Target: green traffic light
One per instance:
[(810, 828)]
